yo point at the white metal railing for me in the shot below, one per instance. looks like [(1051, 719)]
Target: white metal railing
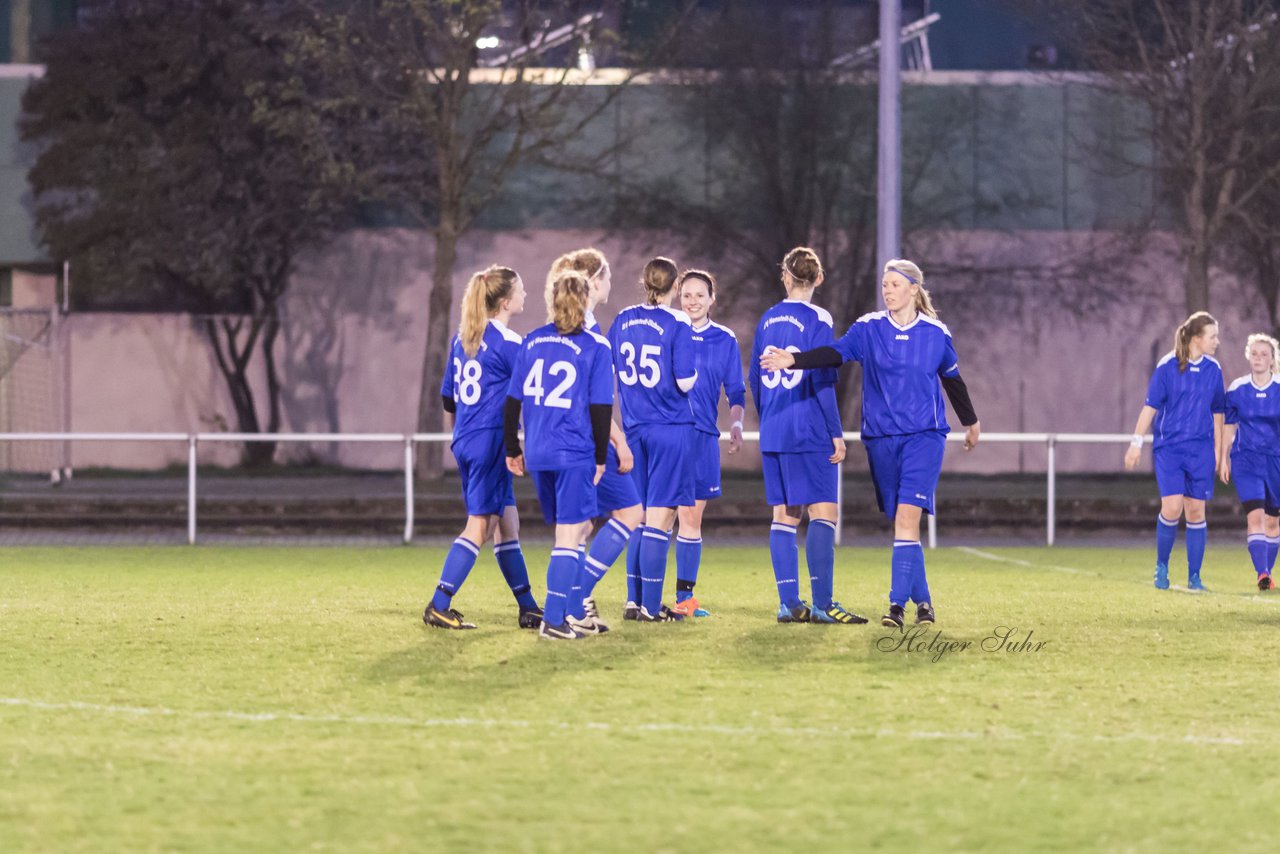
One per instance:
[(410, 441)]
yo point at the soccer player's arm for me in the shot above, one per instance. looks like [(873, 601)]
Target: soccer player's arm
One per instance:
[(446, 393), (617, 436), (600, 404), (736, 391), (1219, 408), (824, 384), (1155, 399), (753, 370), (1231, 421), (683, 358), (958, 393), (511, 420)]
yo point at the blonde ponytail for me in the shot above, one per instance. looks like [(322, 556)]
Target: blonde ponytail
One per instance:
[(480, 301), (1190, 328), (567, 302)]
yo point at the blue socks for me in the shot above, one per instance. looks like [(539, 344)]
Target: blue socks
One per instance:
[(633, 565), (1273, 546), (605, 549), (919, 584), (576, 608), (820, 554), (511, 562), (457, 566), (785, 555), (1258, 552), (1196, 535), (907, 554), (654, 544), (560, 575), (1166, 533), (688, 558)]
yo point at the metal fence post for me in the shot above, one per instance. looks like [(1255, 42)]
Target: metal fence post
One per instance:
[(1051, 522), (191, 490), (408, 489)]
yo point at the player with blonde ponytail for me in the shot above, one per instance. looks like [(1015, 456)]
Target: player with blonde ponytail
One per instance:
[(473, 392)]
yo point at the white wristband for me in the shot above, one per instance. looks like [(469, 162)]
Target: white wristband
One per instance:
[(1136, 441), (737, 424)]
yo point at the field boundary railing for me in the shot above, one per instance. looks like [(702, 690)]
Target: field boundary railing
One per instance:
[(410, 441)]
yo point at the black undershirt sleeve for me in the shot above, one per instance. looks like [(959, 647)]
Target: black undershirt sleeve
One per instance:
[(511, 427), (958, 394), (450, 405), (601, 421), (818, 357)]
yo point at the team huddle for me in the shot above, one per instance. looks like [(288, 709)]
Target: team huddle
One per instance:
[(632, 483), (610, 489)]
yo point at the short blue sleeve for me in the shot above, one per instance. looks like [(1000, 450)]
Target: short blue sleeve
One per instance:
[(600, 382), (684, 361), (1232, 410), (516, 389), (753, 370), (1219, 396), (446, 386), (1157, 393), (852, 346), (734, 388), (950, 366)]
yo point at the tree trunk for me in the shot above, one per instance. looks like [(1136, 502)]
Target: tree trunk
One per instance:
[(1196, 286), (430, 459), (232, 358)]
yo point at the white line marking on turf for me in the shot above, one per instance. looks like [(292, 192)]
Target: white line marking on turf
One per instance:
[(694, 729), (1001, 559)]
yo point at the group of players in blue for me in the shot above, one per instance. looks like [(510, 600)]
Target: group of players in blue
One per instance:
[(662, 465), (1199, 430)]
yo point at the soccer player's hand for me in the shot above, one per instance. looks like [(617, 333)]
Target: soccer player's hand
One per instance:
[(735, 439), (1131, 458), (515, 465), (626, 459), (1224, 469), (971, 435), (838, 456), (773, 359), (599, 473)]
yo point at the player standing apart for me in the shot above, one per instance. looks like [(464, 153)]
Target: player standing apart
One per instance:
[(907, 359), (801, 443), (563, 380), (1184, 408), (473, 391), (719, 365), (1251, 451), (656, 365)]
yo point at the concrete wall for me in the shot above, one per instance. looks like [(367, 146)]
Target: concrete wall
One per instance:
[(1039, 353)]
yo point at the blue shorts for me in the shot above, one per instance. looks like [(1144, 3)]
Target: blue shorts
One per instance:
[(905, 469), (664, 471), (705, 457), (482, 465), (567, 496), (1257, 478), (805, 478), (1185, 468), (615, 491)]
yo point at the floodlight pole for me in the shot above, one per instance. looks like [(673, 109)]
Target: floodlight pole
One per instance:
[(889, 148)]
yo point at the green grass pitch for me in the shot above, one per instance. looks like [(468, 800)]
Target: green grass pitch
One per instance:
[(285, 699)]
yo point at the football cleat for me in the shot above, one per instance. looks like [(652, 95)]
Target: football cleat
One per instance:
[(530, 618), (588, 625), (1264, 581), (836, 614), (631, 611), (799, 614), (924, 613), (564, 631), (1162, 576), (687, 608), (893, 619), (701, 612), (446, 619), (1194, 583), (664, 615)]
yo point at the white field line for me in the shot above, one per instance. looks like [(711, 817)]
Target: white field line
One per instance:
[(574, 726), (995, 558)]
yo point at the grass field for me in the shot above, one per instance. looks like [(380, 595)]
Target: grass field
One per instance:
[(215, 699)]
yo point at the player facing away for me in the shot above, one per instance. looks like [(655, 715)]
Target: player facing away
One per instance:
[(801, 444), (1251, 451), (1185, 403), (654, 358), (616, 494), (907, 359), (474, 390), (563, 381), (719, 364)]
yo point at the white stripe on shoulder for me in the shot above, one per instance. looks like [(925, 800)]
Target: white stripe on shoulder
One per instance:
[(677, 314), (935, 322), (507, 333), (823, 315), (725, 330), (1215, 361), (873, 315), (600, 338), (1239, 381), (1166, 357)]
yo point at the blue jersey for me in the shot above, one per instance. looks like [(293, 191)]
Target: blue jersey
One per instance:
[(797, 408), (478, 384), (556, 377), (1257, 411), (652, 348), (1185, 401), (901, 365), (719, 364)]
